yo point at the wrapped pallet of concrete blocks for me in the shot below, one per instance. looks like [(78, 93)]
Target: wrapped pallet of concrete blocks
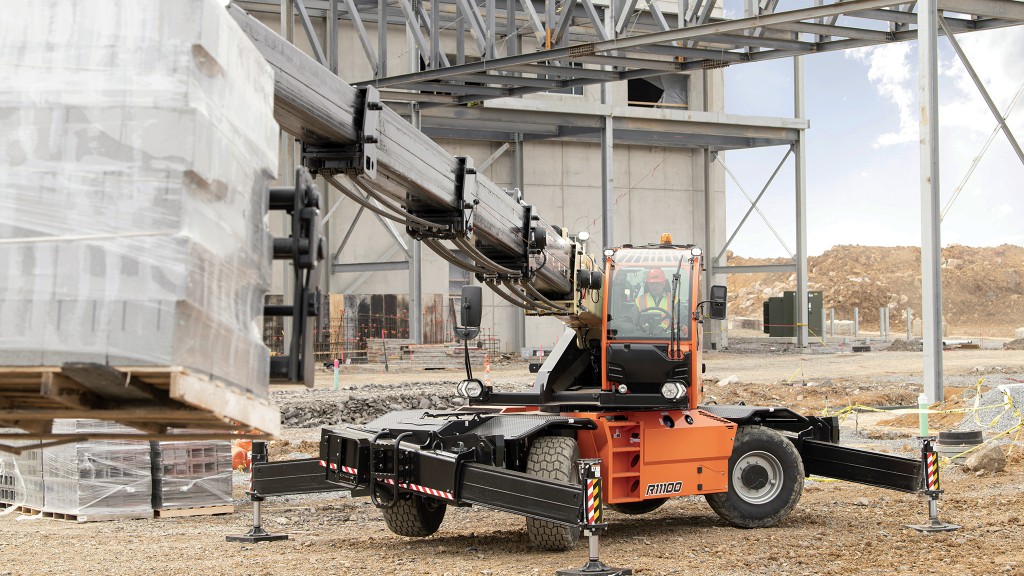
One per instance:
[(136, 149), (191, 475), (97, 479), (21, 475)]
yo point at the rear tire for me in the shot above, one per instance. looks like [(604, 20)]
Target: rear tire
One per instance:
[(415, 516), (766, 478), (637, 508), (552, 457)]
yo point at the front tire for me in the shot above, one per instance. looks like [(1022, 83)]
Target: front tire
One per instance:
[(766, 478), (552, 457), (415, 516)]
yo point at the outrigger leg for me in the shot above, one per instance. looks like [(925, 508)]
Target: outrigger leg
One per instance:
[(593, 525)]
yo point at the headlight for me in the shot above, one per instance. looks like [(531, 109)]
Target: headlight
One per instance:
[(471, 389), (696, 251), (672, 390), (583, 236)]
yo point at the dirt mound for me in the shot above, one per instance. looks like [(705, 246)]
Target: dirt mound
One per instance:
[(905, 346), (1017, 344), (983, 288)]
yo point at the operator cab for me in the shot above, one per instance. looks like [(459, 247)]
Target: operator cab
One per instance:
[(650, 321)]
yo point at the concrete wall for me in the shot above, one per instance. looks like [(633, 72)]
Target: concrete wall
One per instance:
[(656, 189)]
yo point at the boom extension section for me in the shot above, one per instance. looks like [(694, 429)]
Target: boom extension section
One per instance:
[(395, 170)]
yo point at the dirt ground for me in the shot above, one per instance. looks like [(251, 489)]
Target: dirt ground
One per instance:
[(837, 528)]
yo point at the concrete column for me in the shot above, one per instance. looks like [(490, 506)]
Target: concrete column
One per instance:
[(856, 322)]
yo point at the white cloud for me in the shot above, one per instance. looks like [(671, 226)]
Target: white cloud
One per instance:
[(891, 75), (1003, 211), (995, 57)]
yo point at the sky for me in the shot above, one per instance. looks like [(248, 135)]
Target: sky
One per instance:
[(863, 175)]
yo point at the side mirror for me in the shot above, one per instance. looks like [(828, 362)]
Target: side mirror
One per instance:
[(472, 306), (717, 299)]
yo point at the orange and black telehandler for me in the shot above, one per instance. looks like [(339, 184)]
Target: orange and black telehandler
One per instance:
[(622, 385)]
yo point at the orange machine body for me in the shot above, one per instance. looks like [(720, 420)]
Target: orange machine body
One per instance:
[(659, 454), (653, 454)]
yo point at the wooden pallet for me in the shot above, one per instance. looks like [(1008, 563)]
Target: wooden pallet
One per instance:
[(107, 517), (149, 398), (194, 511)]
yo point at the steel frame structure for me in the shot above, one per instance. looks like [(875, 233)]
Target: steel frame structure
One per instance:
[(510, 48)]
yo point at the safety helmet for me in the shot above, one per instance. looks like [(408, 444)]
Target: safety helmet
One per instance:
[(656, 275)]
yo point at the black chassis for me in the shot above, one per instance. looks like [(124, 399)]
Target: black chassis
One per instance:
[(468, 457), (477, 456)]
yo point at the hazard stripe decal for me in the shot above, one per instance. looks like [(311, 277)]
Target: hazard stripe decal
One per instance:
[(423, 489)]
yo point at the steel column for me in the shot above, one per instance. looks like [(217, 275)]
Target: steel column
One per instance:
[(416, 254), (382, 40), (607, 161), (519, 323), (931, 242), (801, 207)]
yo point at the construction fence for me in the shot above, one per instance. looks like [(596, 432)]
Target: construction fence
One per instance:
[(374, 328)]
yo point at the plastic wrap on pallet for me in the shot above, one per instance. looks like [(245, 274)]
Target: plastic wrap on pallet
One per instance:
[(191, 474), (21, 475), (94, 479), (137, 141)]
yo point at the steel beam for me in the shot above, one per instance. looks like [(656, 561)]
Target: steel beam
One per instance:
[(369, 267), (318, 52), (756, 269), (490, 159), (981, 89), (753, 205), (362, 278), (364, 38)]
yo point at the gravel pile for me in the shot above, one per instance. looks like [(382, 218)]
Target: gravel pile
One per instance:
[(906, 346), (1017, 344), (993, 415)]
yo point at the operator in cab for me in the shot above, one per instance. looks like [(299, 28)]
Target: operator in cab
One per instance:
[(656, 295)]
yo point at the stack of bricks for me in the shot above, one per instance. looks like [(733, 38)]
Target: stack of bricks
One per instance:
[(21, 477), (191, 474), (375, 349), (97, 480), (135, 170)]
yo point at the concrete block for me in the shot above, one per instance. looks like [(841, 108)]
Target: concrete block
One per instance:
[(1018, 333)]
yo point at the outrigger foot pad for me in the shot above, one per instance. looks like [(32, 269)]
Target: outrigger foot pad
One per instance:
[(257, 534), (595, 568), (934, 526)]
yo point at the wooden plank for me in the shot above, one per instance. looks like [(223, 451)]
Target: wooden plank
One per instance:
[(129, 414), (140, 515), (195, 511), (67, 392), (108, 382), (216, 398), (38, 427)]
